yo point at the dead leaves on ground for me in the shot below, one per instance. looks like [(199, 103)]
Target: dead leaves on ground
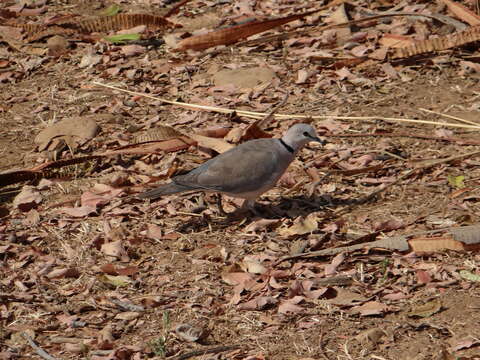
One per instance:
[(101, 271)]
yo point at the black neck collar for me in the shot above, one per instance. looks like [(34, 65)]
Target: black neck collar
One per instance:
[(288, 147)]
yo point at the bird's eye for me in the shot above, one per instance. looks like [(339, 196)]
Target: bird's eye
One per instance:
[(306, 134)]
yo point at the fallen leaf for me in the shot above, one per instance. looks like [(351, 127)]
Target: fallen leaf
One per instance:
[(331, 268), (219, 145), (462, 12), (423, 277), (117, 281), (64, 273), (288, 308), (467, 275), (115, 249), (258, 303), (154, 232), (261, 224), (81, 211), (370, 308), (426, 310), (457, 181), (302, 226), (27, 199), (75, 131), (253, 266), (189, 332)]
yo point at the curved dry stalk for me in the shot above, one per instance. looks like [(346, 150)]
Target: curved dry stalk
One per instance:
[(260, 115)]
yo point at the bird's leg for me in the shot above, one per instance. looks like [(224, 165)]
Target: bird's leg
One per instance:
[(249, 205), (219, 205)]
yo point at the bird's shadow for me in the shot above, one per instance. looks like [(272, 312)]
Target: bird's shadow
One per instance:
[(285, 207)]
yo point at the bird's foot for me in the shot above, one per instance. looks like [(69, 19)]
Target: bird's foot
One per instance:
[(220, 206)]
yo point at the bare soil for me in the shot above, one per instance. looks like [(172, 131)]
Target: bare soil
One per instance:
[(181, 273)]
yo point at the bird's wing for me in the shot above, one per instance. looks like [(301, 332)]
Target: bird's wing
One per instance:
[(249, 167)]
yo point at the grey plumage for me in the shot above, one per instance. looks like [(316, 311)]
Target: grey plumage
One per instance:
[(246, 171)]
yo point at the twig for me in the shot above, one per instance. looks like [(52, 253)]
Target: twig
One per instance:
[(407, 135), (287, 35), (399, 243), (451, 117), (40, 352), (378, 243), (259, 115), (175, 8), (425, 165), (214, 350)]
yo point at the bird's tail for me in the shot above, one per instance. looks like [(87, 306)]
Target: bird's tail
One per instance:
[(166, 189)]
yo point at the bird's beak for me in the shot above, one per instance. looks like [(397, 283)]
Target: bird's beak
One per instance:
[(317, 139)]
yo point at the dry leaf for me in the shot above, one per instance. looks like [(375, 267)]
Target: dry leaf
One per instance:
[(302, 226), (115, 249), (426, 310), (219, 145), (462, 12), (189, 332), (27, 199), (370, 308)]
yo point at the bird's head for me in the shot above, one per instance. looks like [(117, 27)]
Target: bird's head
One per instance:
[(299, 135)]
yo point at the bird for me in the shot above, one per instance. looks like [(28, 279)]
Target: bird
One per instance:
[(245, 171)]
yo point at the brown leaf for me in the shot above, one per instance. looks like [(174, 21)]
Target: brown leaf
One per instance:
[(261, 224), (289, 308), (258, 303), (426, 310), (388, 225), (189, 332), (253, 266), (462, 12), (158, 133), (154, 232), (346, 298), (370, 308), (132, 50), (111, 269), (331, 268), (81, 211), (75, 131), (64, 273), (237, 278), (219, 145), (423, 277), (115, 249), (27, 199), (232, 34), (302, 226)]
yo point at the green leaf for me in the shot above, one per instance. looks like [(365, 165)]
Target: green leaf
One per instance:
[(457, 181), (467, 275), (117, 39), (117, 281), (111, 10)]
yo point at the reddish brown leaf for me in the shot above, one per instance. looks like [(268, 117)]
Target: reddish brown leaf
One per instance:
[(231, 35)]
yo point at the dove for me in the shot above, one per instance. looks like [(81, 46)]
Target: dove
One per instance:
[(245, 171)]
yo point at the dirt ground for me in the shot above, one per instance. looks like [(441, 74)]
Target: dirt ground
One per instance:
[(117, 282)]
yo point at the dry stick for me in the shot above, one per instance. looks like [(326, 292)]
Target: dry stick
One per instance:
[(333, 26), (214, 350), (414, 136), (426, 165), (335, 251), (259, 115), (451, 117), (175, 8), (40, 352)]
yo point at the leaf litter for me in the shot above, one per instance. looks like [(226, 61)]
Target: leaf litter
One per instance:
[(89, 271)]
